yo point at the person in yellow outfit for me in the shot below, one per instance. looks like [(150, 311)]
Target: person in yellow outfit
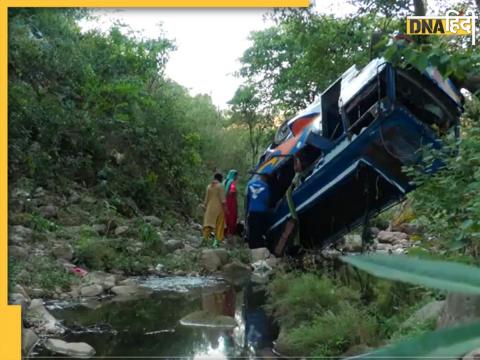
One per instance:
[(214, 204)]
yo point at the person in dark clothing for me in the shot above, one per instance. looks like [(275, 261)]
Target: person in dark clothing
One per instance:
[(258, 206)]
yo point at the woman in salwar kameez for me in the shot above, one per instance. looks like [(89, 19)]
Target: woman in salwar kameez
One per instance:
[(214, 204)]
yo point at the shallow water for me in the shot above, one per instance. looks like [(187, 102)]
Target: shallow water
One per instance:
[(150, 326)]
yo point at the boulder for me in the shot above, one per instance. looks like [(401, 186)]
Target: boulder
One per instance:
[(173, 245), (213, 259), (153, 220), (121, 230), (17, 252), (36, 292), (105, 280), (383, 247), (80, 350), (19, 289), (63, 251), (353, 243), (206, 319), (18, 299), (38, 314), (48, 211), (130, 290), (459, 309), (91, 290), (101, 229), (23, 233), (427, 312), (236, 272), (259, 254), (391, 237), (29, 339)]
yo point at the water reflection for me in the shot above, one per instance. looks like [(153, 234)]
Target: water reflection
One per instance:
[(230, 322)]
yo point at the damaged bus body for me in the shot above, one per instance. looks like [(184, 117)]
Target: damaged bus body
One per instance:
[(352, 144)]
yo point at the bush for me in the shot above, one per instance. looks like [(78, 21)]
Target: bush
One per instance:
[(294, 299), (332, 333)]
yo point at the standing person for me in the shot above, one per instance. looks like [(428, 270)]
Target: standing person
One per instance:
[(258, 206), (214, 205), (231, 196)]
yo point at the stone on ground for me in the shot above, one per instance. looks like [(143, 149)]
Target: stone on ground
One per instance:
[(391, 237), (29, 339), (38, 314), (459, 309), (91, 290), (79, 350), (259, 254)]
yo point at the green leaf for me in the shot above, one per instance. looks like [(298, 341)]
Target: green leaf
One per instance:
[(430, 273), (449, 343)]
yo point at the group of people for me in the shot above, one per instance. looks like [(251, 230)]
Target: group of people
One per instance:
[(221, 209), (220, 206)]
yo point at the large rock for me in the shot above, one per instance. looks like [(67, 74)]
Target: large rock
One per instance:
[(130, 290), (236, 272), (101, 229), (105, 280), (151, 219), (79, 350), (391, 237), (210, 320), (29, 339), (20, 234), (17, 252), (173, 245), (18, 299), (48, 211), (121, 230), (259, 254), (427, 312), (40, 316), (19, 289), (91, 290), (213, 259), (458, 309), (63, 251)]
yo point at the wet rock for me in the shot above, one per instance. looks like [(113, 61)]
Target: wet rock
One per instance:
[(213, 259), (130, 290), (91, 290), (29, 339), (39, 315), (19, 289), (427, 312), (179, 273), (459, 309), (236, 272), (391, 237), (18, 299), (259, 254), (121, 230), (105, 280), (206, 319), (173, 245), (63, 251), (129, 281), (48, 211), (81, 350), (17, 252), (153, 220)]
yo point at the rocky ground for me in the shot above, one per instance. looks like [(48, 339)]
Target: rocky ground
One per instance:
[(74, 246)]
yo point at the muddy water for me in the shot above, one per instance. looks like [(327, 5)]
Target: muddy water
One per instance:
[(151, 326)]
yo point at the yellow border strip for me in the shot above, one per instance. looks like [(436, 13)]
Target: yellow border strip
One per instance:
[(161, 3), (10, 316)]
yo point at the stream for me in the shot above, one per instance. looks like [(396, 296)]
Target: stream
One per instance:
[(188, 317)]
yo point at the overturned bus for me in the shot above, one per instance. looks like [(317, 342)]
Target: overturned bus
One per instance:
[(352, 143)]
